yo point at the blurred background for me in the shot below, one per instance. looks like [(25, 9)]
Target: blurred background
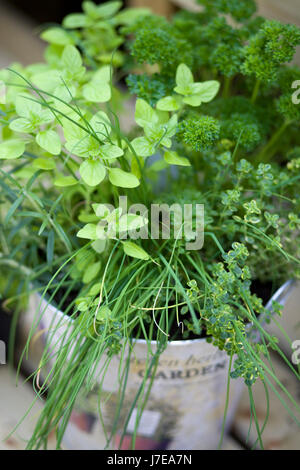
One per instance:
[(20, 20)]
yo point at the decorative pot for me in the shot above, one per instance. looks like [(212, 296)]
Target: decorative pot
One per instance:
[(185, 408)]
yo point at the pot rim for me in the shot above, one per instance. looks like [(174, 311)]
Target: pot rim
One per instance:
[(280, 295)]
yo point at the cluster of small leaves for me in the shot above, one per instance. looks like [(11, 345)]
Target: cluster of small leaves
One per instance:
[(199, 133), (256, 48), (244, 129), (222, 316), (242, 122), (95, 320), (240, 10), (150, 88), (158, 42), (272, 46), (96, 31)]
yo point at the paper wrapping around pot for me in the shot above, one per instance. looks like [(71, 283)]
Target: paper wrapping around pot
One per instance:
[(184, 410)]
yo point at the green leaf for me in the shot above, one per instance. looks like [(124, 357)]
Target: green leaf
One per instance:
[(97, 92), (135, 251), (13, 209), (173, 158), (169, 103), (103, 74), (121, 178), (49, 141), (131, 222), (26, 107), (22, 125), (57, 36), (184, 76), (74, 132), (130, 15), (101, 124), (64, 181), (11, 149), (104, 313), (87, 146), (110, 151), (192, 100), (108, 9), (48, 80), (143, 147), (92, 172), (206, 90), (71, 58), (75, 20), (50, 247), (171, 126), (44, 164), (99, 246), (91, 272), (144, 113), (88, 231)]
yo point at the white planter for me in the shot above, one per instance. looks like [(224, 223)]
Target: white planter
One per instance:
[(186, 405)]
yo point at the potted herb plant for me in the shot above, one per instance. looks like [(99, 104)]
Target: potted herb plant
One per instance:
[(148, 254)]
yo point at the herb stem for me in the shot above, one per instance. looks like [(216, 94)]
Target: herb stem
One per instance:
[(255, 91), (267, 153)]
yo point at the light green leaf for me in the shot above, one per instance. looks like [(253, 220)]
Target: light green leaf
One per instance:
[(171, 126), (89, 231), (144, 113), (131, 222), (11, 149), (184, 76), (101, 124), (123, 179), (193, 100), (73, 132), (26, 107), (90, 9), (46, 116), (92, 172), (158, 165), (135, 251), (22, 125), (166, 142), (44, 164), (49, 141), (64, 181), (101, 210), (97, 92), (206, 90), (163, 116), (104, 313), (169, 103), (75, 20), (108, 9), (99, 246), (91, 272), (86, 147), (111, 151), (173, 158), (103, 74), (130, 15), (48, 80), (143, 147), (71, 58), (57, 36)]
